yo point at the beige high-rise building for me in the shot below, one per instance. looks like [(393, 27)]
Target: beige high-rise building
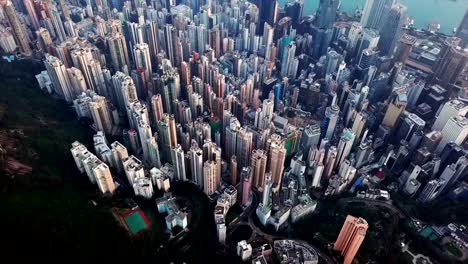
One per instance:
[(157, 108), (18, 28), (77, 81), (243, 146), (119, 154), (104, 178), (258, 162), (394, 110), (178, 161), (59, 77), (7, 41), (31, 10), (209, 177), (141, 54), (44, 40), (350, 238), (172, 129), (101, 115), (277, 156), (118, 51), (233, 169)]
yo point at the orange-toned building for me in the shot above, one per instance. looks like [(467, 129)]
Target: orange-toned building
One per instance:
[(350, 238)]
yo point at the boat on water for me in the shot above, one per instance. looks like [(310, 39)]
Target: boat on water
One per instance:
[(433, 27)]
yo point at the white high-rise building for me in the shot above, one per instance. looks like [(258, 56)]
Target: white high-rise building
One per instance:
[(141, 55), (221, 228), (344, 147), (79, 153), (455, 130), (160, 177), (59, 77), (244, 250), (143, 187), (209, 177), (267, 114), (77, 80), (119, 154), (196, 164), (7, 41), (153, 150), (317, 175), (118, 51), (450, 109), (101, 114), (178, 161), (133, 168), (103, 177)]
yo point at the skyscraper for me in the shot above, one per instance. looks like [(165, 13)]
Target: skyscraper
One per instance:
[(431, 190), (462, 31), (178, 161), (258, 162), (118, 51), (455, 130), (267, 114), (119, 154), (133, 168), (196, 164), (351, 236), (453, 61), (19, 29), (209, 177), (326, 13), (450, 109), (101, 114), (369, 40), (344, 147), (268, 12), (243, 146), (141, 55), (233, 170), (31, 10), (390, 31), (59, 77), (277, 158), (294, 10), (124, 90), (57, 23), (310, 138), (103, 177), (287, 59), (246, 183), (329, 122), (157, 108), (394, 109), (374, 13)]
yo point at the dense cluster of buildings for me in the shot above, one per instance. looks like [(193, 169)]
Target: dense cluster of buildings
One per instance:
[(252, 96)]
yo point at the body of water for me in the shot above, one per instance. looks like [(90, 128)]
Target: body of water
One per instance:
[(448, 13)]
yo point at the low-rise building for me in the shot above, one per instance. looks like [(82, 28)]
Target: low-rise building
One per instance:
[(175, 217)]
